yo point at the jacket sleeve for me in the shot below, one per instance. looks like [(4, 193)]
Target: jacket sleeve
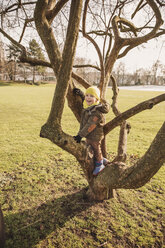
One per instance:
[(91, 124), (103, 107)]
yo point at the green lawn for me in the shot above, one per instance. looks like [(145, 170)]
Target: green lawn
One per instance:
[(42, 187)]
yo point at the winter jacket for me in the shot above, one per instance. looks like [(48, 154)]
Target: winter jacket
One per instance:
[(92, 121)]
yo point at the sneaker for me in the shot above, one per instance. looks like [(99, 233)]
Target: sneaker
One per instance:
[(98, 169), (105, 161)]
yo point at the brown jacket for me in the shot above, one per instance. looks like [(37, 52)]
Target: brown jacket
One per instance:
[(92, 121)]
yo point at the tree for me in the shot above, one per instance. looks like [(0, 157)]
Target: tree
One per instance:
[(109, 27), (120, 73), (2, 230), (155, 68), (13, 53), (2, 60), (35, 51)]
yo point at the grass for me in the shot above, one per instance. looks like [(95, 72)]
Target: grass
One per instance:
[(42, 187)]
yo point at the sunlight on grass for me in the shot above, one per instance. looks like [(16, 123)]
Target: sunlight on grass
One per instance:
[(42, 186)]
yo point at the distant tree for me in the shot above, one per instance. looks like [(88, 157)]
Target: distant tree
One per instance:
[(145, 76), (120, 72), (163, 70), (2, 60), (156, 66), (13, 54), (35, 51)]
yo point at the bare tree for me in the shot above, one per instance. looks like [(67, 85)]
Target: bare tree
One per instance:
[(109, 29), (155, 68), (120, 73)]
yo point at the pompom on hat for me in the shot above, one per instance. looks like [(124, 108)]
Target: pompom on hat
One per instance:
[(94, 91)]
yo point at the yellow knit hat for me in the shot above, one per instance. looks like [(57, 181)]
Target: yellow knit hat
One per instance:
[(94, 91)]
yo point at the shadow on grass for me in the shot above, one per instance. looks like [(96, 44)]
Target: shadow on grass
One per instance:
[(28, 228)]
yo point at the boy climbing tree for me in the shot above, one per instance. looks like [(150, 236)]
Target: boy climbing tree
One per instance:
[(91, 125)]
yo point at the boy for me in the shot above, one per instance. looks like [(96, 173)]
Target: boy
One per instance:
[(91, 125)]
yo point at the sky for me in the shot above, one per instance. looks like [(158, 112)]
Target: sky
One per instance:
[(141, 57), (145, 57), (137, 58)]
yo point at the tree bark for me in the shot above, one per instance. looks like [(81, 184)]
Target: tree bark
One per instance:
[(117, 175), (2, 230)]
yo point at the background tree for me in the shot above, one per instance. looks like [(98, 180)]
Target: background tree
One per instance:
[(109, 29), (163, 72), (35, 51), (155, 69), (120, 73), (13, 54), (2, 60)]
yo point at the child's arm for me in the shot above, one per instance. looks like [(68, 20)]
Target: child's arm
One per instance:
[(103, 107)]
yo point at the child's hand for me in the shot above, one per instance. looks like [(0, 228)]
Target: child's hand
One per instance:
[(77, 138), (78, 92)]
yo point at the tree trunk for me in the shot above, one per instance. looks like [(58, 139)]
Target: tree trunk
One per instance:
[(116, 174), (2, 230), (33, 74)]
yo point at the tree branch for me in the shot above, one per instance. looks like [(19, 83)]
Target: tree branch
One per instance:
[(150, 35), (34, 61), (16, 6), (51, 13), (124, 127), (23, 49), (88, 65), (160, 3), (81, 80), (65, 70), (140, 6), (101, 84), (38, 62), (129, 24), (25, 25), (131, 112), (47, 36)]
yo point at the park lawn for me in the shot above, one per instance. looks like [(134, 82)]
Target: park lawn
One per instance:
[(42, 187)]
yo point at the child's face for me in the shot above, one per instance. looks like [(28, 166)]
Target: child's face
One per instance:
[(90, 99)]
